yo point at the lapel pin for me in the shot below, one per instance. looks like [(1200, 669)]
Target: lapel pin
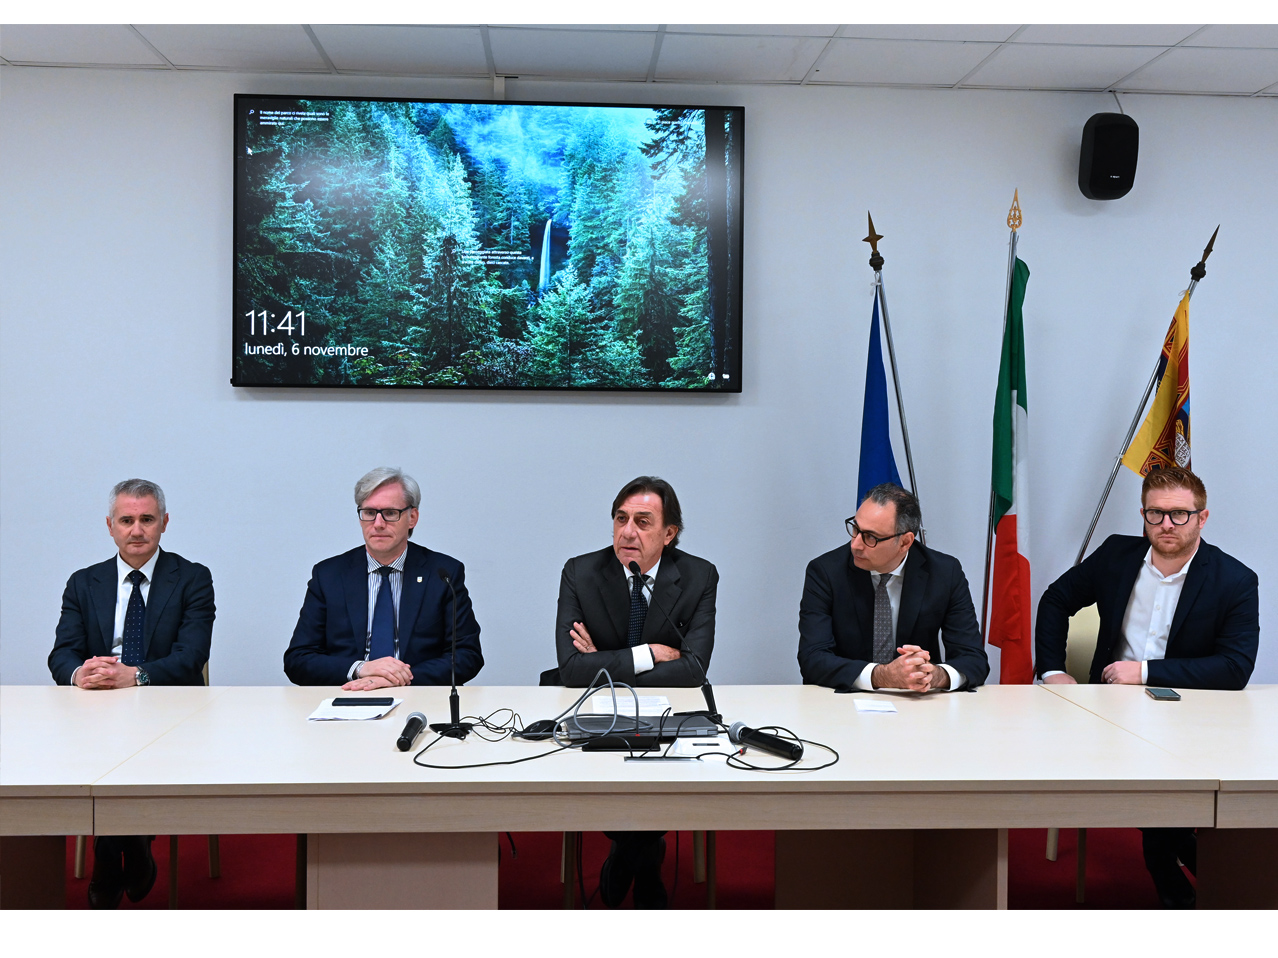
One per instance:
[(419, 578)]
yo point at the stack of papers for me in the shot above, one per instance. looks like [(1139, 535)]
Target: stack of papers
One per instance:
[(648, 704), (328, 712)]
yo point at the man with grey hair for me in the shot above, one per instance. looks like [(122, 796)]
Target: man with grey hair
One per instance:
[(871, 614), (382, 615), (143, 617)]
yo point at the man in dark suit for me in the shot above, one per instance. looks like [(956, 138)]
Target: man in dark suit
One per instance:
[(871, 612), (1174, 611), (604, 621), (381, 615), (144, 617)]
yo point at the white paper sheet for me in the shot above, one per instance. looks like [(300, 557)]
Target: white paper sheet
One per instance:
[(328, 712), (688, 747), (873, 705), (648, 704)]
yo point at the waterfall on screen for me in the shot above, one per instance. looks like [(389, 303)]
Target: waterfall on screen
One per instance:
[(544, 279)]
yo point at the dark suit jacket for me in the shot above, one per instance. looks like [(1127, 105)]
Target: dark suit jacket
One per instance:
[(178, 629), (332, 628), (1214, 635), (836, 617), (592, 590)]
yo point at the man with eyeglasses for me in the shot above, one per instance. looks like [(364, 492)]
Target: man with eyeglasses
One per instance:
[(875, 614), (1175, 611), (382, 615)]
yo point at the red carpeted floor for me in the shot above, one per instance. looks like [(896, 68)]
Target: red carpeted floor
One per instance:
[(258, 872)]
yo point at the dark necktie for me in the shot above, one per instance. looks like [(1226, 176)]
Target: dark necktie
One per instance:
[(638, 610), (382, 641), (883, 644), (134, 622)]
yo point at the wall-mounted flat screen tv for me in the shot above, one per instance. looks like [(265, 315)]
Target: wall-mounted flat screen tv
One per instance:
[(487, 245)]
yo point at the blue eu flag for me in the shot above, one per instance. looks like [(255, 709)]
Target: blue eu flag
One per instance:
[(877, 462)]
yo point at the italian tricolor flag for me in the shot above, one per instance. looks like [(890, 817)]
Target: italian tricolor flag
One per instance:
[(1009, 622)]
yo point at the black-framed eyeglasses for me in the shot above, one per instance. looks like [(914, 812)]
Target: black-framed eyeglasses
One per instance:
[(1179, 517), (370, 515), (868, 538)]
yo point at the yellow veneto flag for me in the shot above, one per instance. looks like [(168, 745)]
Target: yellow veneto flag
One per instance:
[(1163, 439)]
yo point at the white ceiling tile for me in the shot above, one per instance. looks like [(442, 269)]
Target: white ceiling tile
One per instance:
[(433, 51), (747, 59), (900, 61), (1049, 67), (256, 47), (990, 32), (562, 53), (1237, 35), (629, 27), (1106, 34), (756, 29), (103, 43), (1198, 70)]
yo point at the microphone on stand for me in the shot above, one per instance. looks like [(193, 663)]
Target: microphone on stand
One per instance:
[(455, 728), (711, 712), (412, 729)]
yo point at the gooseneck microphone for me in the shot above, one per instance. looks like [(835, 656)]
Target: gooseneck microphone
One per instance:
[(785, 748), (454, 728), (711, 711), (412, 729)]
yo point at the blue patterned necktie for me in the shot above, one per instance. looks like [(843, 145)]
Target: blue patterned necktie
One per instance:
[(638, 610), (884, 647), (383, 637), (134, 622)]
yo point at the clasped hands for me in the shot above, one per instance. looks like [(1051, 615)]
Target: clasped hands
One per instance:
[(105, 672), (380, 673), (582, 642), (912, 670)]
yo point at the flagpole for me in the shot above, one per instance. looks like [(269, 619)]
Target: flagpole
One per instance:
[(1014, 223), (1195, 274), (876, 264)]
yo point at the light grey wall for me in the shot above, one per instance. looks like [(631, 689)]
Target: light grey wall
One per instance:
[(115, 302)]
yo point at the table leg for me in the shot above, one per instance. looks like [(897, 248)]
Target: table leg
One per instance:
[(932, 868), (1238, 868), (448, 870), (33, 871)]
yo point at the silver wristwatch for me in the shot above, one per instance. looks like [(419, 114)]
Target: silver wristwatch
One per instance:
[(141, 677)]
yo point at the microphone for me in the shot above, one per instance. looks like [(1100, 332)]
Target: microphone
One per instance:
[(413, 728), (785, 748), (707, 690), (454, 728)]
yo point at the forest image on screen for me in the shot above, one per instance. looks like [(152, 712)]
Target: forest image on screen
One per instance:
[(498, 245)]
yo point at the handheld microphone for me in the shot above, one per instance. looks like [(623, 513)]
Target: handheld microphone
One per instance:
[(707, 690), (454, 728), (785, 748), (412, 729)]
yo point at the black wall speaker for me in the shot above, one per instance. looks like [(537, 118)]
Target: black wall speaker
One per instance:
[(1107, 161)]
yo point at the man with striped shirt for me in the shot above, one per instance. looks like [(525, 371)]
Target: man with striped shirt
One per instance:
[(382, 615)]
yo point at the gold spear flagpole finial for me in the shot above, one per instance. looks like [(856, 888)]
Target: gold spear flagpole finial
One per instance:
[(1014, 214), (1199, 271), (876, 261)]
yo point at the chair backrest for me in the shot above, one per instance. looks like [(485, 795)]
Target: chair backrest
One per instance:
[(1080, 647), (550, 677)]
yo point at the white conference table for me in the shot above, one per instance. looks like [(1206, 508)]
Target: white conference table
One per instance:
[(1233, 734), (928, 791)]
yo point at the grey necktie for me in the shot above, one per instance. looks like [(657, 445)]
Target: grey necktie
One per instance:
[(884, 647)]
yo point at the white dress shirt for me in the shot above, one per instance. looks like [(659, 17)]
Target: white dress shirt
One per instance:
[(1147, 621), (895, 583), (124, 592), (642, 653), (1150, 609)]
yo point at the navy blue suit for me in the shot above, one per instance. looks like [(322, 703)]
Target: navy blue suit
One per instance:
[(179, 620), (332, 628), (1214, 635), (836, 617)]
